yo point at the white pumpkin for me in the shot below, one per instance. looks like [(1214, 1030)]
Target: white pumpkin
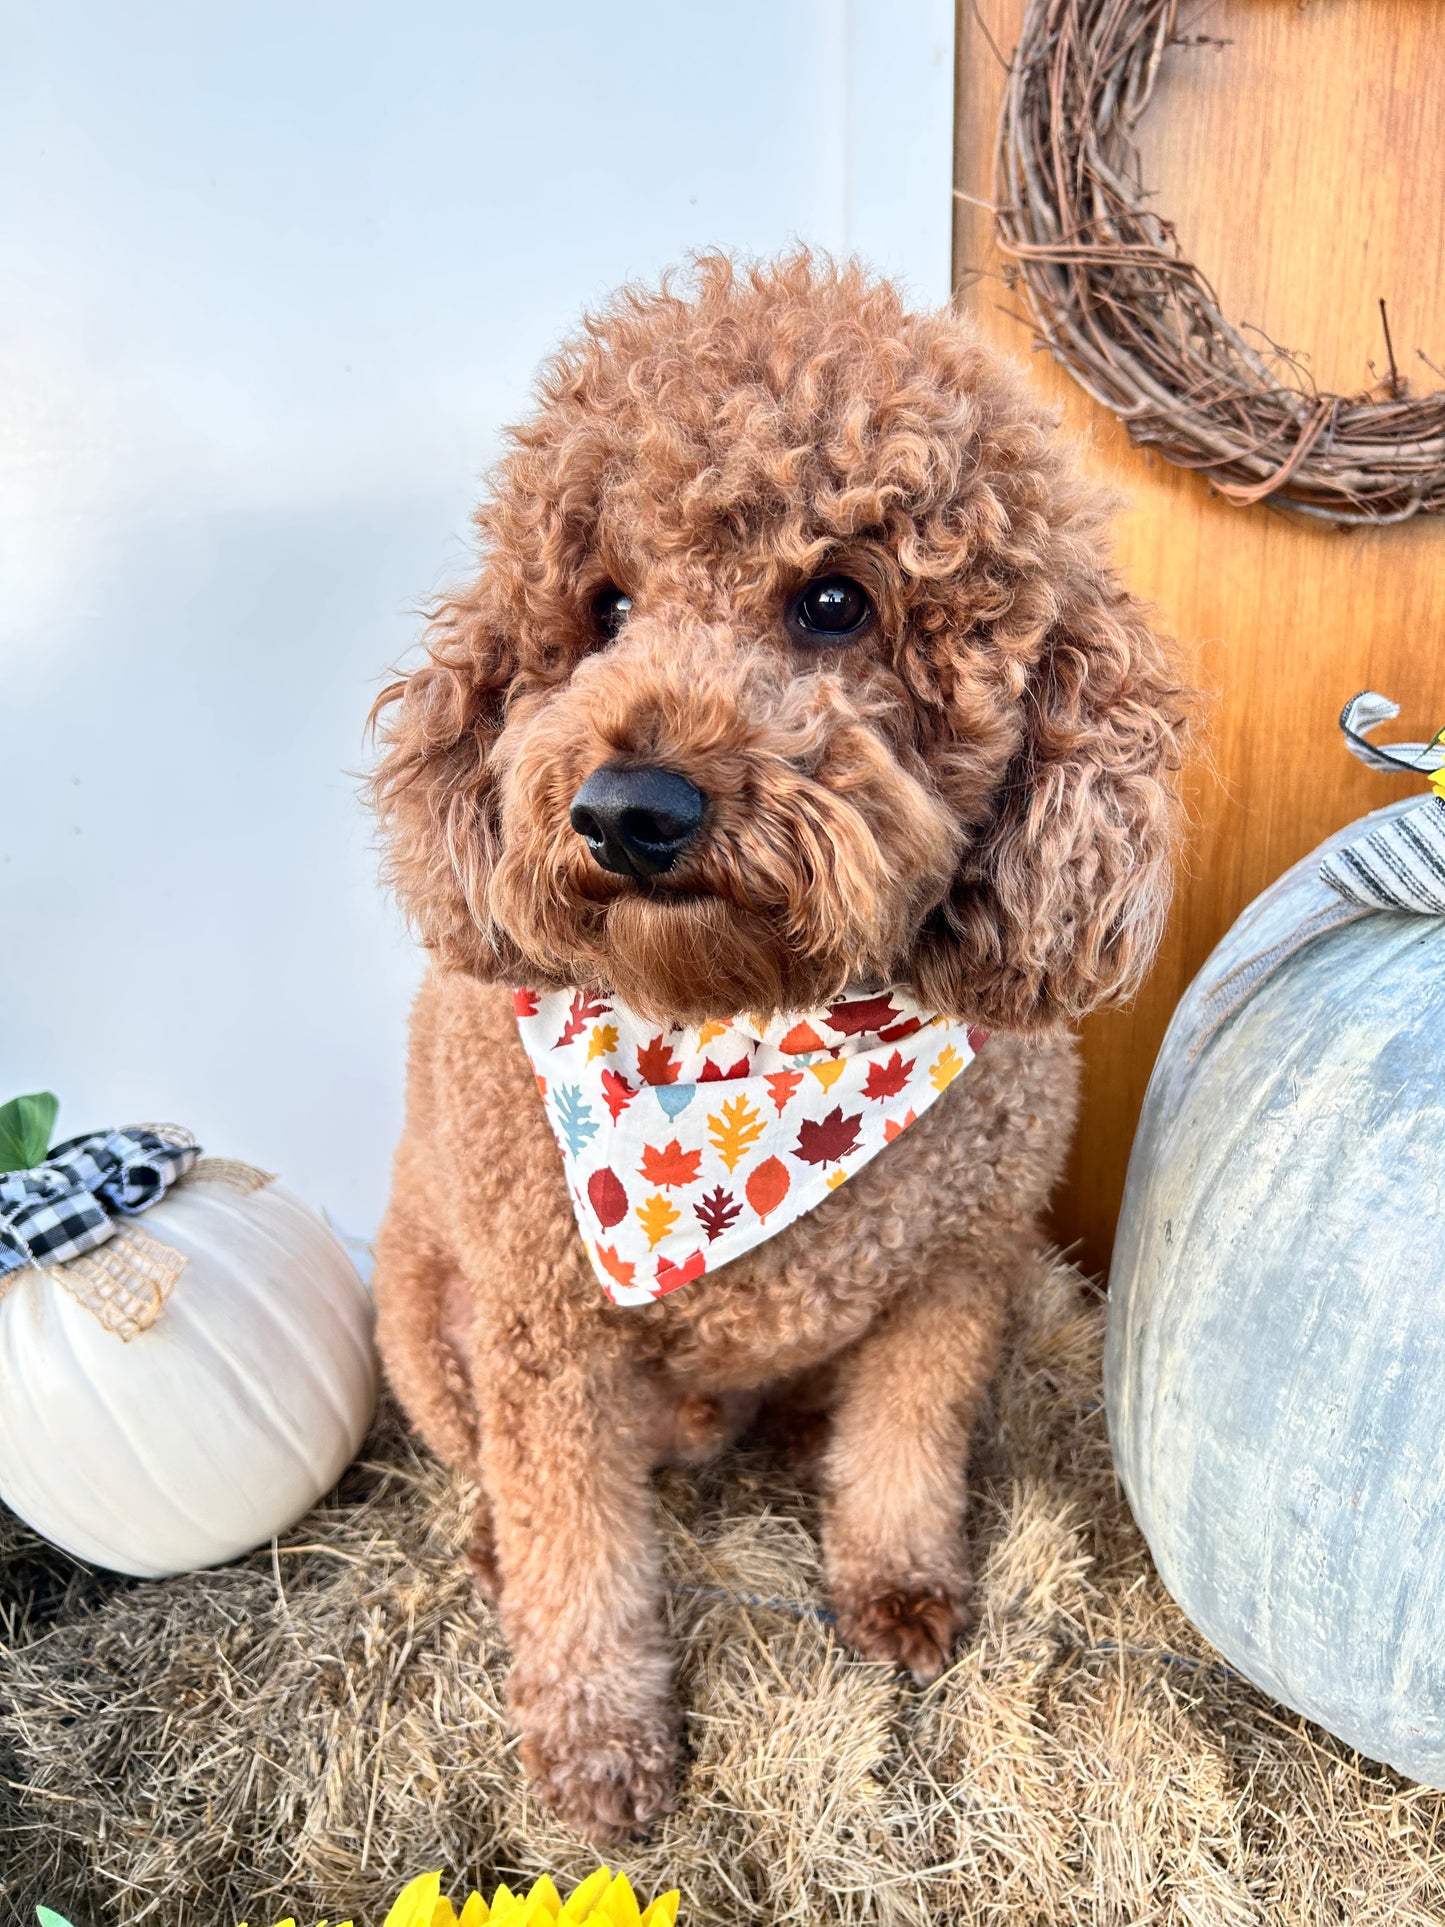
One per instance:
[(215, 1428), (1275, 1372)]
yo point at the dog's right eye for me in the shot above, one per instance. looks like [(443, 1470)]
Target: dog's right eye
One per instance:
[(834, 609), (610, 609)]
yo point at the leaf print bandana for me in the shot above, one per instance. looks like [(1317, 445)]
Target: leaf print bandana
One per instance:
[(685, 1147)]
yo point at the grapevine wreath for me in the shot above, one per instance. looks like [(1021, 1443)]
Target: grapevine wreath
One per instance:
[(1138, 325)]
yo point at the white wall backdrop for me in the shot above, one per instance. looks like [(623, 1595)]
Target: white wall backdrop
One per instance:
[(274, 274)]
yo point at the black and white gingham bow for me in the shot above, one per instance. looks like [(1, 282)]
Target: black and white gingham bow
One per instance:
[(69, 1203)]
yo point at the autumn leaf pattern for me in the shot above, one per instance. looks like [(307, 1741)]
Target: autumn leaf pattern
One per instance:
[(575, 1117), (671, 1165), (716, 1212), (768, 1186), (602, 1040), (946, 1067), (887, 1080), (580, 1012), (782, 1087), (670, 1276), (685, 1146), (657, 1217), (657, 1062), (617, 1093), (607, 1196), (737, 1126), (827, 1139)]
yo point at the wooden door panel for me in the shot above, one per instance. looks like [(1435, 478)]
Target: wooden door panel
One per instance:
[(1304, 165)]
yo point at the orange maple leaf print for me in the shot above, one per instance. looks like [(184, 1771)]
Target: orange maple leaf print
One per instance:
[(621, 1270), (802, 1037), (657, 1217), (657, 1062), (893, 1129), (670, 1276), (671, 1166)]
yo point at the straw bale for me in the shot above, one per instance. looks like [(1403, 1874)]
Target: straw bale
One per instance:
[(304, 1730)]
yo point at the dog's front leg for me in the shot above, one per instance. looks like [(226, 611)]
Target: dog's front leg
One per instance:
[(566, 1465), (894, 1475)]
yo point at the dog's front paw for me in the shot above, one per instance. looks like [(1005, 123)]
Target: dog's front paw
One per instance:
[(605, 1782), (913, 1627)]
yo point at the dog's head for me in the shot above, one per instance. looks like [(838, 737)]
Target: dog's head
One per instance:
[(795, 661)]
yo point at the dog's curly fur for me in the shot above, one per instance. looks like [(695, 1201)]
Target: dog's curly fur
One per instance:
[(976, 800)]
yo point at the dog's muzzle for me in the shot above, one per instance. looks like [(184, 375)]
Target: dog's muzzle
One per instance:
[(637, 821)]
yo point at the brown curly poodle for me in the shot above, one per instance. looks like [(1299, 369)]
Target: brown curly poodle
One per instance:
[(817, 564)]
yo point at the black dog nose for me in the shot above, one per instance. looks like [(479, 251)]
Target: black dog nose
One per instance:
[(637, 822)]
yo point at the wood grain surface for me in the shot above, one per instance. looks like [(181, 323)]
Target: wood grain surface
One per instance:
[(1303, 165)]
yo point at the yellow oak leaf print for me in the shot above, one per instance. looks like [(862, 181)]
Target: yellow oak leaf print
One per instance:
[(735, 1130), (657, 1217), (835, 1178), (708, 1032), (947, 1067), (602, 1041)]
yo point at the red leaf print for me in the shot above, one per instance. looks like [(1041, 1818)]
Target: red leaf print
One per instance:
[(887, 1080), (767, 1187), (607, 1197), (617, 1093), (977, 1037), (782, 1085), (541, 1082), (670, 1276), (802, 1037), (620, 1269), (896, 1032), (892, 1130), (714, 1073), (716, 1212), (829, 1141), (580, 1013), (862, 1014), (672, 1166), (524, 1002), (657, 1063)]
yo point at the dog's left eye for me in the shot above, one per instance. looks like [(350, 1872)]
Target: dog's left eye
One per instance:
[(610, 609), (831, 610)]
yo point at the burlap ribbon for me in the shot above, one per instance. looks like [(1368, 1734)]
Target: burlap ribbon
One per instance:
[(118, 1272)]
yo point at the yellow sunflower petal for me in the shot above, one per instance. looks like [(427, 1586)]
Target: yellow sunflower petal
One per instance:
[(475, 1913), (583, 1899), (619, 1905), (416, 1903), (663, 1911)]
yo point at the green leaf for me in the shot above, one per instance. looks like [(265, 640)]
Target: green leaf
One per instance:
[(48, 1915), (25, 1127)]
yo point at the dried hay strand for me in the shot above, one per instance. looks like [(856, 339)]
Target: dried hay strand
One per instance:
[(302, 1731), (1138, 325)]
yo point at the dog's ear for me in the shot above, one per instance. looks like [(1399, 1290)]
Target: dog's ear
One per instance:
[(1063, 893), (434, 787)]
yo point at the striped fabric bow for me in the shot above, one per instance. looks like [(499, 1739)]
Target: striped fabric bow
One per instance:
[(1400, 864)]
